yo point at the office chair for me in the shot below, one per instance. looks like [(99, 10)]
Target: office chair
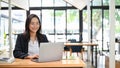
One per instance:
[(66, 49), (78, 49)]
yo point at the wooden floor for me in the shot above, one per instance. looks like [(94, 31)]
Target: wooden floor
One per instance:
[(101, 63)]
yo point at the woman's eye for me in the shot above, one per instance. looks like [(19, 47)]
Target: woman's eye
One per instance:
[(37, 23), (32, 23)]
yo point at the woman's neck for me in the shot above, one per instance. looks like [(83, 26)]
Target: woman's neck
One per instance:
[(33, 36)]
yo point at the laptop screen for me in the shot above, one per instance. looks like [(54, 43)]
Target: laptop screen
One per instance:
[(50, 51)]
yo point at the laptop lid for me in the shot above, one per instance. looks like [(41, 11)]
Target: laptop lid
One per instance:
[(50, 52)]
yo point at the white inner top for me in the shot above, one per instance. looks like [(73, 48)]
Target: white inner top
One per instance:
[(33, 47)]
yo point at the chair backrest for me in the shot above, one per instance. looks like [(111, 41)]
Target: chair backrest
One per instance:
[(72, 40), (66, 48), (75, 48)]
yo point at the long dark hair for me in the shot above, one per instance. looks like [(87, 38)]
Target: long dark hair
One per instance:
[(27, 30)]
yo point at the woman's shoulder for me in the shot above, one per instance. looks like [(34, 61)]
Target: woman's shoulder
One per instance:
[(43, 35), (21, 35), (43, 38)]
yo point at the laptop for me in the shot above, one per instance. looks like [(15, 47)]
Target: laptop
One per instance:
[(50, 52)]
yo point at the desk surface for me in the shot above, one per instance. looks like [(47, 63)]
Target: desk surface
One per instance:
[(29, 64), (80, 44)]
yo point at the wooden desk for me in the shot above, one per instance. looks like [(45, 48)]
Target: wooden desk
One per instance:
[(86, 44), (80, 44), (27, 63)]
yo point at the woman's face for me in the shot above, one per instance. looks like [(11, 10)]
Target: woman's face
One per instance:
[(34, 25)]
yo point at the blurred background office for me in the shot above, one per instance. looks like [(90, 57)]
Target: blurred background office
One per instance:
[(61, 21)]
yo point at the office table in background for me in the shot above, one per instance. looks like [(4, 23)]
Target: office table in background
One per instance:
[(27, 63), (86, 44)]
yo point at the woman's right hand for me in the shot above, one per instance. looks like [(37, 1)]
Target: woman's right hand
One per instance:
[(32, 57)]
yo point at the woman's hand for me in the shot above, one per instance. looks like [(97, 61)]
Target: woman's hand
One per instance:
[(32, 57)]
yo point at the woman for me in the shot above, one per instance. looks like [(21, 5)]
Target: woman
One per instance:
[(27, 43)]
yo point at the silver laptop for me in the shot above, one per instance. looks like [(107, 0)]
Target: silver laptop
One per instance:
[(50, 52)]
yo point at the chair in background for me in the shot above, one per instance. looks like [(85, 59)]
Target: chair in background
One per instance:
[(66, 49), (78, 49)]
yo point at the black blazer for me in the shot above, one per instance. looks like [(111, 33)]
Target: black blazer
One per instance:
[(21, 46)]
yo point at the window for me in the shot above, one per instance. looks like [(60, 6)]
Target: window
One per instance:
[(48, 24), (59, 3), (18, 22), (73, 24), (47, 3), (35, 3), (37, 12), (60, 24), (97, 2), (97, 26)]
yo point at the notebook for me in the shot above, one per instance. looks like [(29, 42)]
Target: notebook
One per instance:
[(50, 52)]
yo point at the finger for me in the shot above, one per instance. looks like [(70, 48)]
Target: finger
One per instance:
[(36, 55)]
